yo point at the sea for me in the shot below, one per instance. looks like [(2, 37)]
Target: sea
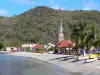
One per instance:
[(17, 65)]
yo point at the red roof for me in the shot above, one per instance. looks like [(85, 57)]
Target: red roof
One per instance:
[(38, 46), (63, 43)]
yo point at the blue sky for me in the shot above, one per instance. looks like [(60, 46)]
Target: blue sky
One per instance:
[(11, 7)]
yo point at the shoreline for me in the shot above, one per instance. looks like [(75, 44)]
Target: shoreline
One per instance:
[(67, 71), (64, 61)]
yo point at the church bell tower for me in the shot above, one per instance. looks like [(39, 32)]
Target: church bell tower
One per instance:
[(61, 35)]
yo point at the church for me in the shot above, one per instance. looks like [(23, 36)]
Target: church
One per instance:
[(62, 45), (61, 40)]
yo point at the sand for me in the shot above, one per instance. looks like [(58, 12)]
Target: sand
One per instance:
[(66, 61)]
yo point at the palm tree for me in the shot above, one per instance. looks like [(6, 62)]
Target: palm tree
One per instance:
[(84, 36), (77, 36), (96, 36)]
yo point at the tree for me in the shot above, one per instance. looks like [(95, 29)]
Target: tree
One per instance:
[(78, 35), (96, 36), (92, 36), (2, 44), (84, 36)]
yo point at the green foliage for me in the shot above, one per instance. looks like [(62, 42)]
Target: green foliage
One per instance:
[(97, 43), (51, 49), (85, 35), (2, 44), (40, 49), (28, 49), (78, 35), (41, 24)]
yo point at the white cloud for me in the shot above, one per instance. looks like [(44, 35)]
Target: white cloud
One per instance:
[(90, 5), (29, 2), (3, 12), (86, 8), (56, 6)]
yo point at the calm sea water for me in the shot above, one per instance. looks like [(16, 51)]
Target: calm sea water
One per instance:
[(13, 65)]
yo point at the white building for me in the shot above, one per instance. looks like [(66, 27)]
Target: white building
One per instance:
[(10, 49), (49, 45)]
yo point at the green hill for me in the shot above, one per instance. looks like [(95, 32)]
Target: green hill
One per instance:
[(41, 24)]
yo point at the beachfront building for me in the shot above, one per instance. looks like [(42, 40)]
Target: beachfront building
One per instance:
[(11, 49), (48, 46), (33, 47)]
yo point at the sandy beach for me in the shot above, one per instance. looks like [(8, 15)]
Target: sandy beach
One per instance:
[(66, 61)]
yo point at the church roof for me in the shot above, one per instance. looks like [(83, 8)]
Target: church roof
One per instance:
[(63, 43)]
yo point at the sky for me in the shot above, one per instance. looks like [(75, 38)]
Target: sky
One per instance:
[(11, 7)]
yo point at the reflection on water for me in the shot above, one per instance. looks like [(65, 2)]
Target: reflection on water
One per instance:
[(12, 65)]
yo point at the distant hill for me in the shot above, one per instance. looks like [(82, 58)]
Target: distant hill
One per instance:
[(41, 24)]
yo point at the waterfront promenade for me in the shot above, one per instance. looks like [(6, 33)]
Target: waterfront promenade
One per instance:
[(67, 62)]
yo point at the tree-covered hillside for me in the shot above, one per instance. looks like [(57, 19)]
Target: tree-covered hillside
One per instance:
[(41, 24)]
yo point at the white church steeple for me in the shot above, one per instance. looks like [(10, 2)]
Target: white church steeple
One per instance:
[(61, 35)]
